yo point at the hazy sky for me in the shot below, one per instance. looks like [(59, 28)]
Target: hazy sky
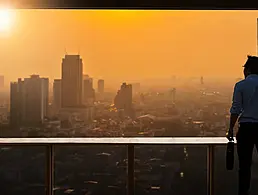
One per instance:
[(129, 44)]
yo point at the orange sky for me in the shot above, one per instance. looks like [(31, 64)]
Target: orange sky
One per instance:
[(129, 44)]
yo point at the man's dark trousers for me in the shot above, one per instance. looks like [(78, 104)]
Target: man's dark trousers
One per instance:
[(247, 138)]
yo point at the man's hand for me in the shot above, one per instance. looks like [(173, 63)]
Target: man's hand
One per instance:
[(230, 134)]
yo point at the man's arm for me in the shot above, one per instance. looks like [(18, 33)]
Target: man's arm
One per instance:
[(236, 109), (233, 120)]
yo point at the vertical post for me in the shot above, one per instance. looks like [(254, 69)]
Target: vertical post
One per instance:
[(256, 36), (210, 169), (130, 169), (50, 170)]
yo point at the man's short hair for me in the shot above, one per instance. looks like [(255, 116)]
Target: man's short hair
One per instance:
[(252, 64)]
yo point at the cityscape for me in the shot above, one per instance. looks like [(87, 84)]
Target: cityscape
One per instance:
[(74, 108), (81, 103)]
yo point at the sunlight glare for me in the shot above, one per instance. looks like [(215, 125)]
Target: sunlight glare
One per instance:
[(5, 19)]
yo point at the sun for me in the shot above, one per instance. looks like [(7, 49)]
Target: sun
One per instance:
[(5, 19)]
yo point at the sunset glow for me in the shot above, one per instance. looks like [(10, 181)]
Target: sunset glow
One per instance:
[(133, 45), (5, 19)]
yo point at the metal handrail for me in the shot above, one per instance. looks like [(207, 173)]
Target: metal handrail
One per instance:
[(49, 143), (117, 140)]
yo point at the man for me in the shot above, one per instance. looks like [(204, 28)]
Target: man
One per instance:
[(245, 110)]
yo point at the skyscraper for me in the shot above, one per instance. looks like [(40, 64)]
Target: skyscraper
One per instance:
[(16, 103), (72, 78), (29, 101), (201, 80), (124, 99), (71, 91), (136, 87), (88, 90), (173, 94), (101, 86), (57, 95)]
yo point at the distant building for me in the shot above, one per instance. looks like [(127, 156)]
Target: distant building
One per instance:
[(173, 94), (1, 81), (88, 91), (57, 86), (142, 98), (136, 87), (202, 82), (101, 86), (85, 77), (77, 116), (124, 99), (29, 101), (72, 81), (16, 103)]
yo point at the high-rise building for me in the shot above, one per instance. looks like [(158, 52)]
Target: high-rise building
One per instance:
[(173, 78), (72, 81), (1, 81), (124, 99), (29, 101), (85, 76), (136, 87), (16, 103), (201, 80), (88, 90), (173, 94), (57, 95), (101, 84)]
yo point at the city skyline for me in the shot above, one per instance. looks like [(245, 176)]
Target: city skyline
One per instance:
[(115, 35)]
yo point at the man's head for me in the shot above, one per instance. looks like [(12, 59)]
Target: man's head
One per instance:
[(251, 65)]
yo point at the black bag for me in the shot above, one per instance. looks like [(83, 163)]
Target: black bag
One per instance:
[(230, 155)]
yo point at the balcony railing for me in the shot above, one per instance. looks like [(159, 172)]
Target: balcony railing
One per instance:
[(49, 143)]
